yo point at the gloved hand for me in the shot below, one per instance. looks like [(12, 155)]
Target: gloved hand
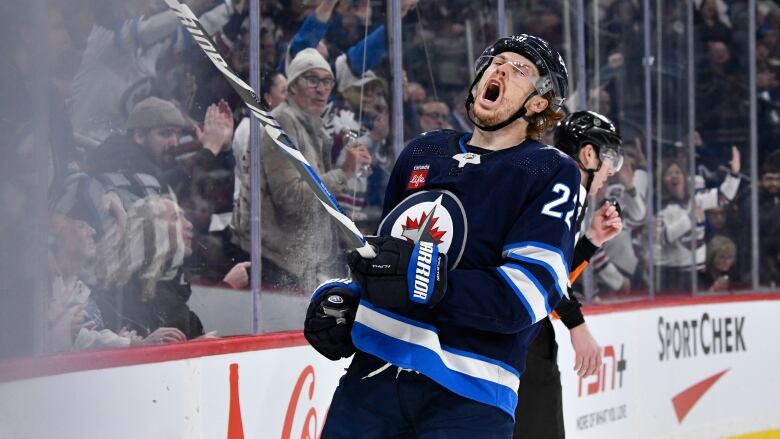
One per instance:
[(329, 318), (401, 272)]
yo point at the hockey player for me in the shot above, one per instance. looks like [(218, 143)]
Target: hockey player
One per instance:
[(473, 252), (592, 140)]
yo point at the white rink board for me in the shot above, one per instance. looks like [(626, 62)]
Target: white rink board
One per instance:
[(191, 398), (185, 399), (742, 400)]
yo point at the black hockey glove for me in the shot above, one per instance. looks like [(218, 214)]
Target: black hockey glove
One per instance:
[(329, 319), (401, 272)]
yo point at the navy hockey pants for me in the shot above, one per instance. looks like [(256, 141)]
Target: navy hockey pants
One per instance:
[(406, 405)]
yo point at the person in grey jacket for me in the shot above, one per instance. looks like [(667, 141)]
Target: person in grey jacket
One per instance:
[(299, 238)]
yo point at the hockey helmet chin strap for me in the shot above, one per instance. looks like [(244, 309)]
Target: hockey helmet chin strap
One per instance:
[(591, 173)]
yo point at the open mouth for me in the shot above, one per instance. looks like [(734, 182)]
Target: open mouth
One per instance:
[(492, 91)]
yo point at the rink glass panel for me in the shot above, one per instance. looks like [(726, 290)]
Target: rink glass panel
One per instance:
[(723, 120), (86, 250), (50, 241), (614, 85), (312, 246)]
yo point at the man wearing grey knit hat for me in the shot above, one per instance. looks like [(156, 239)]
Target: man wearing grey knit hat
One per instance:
[(156, 124), (299, 239), (142, 160)]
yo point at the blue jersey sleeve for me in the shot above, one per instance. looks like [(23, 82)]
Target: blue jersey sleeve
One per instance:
[(373, 47), (309, 35), (535, 264)]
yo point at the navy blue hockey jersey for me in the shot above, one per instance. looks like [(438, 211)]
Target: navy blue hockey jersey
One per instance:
[(506, 220)]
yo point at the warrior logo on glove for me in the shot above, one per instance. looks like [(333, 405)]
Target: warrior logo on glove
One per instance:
[(426, 257), (402, 272)]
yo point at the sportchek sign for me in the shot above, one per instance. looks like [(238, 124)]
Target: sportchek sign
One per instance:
[(702, 370), (703, 335), (694, 371)]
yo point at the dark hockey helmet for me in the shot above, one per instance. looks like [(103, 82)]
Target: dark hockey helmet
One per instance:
[(588, 127), (553, 75)]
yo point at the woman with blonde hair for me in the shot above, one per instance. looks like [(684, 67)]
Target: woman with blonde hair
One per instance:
[(719, 273)]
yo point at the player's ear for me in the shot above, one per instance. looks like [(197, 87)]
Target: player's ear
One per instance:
[(587, 154), (536, 105)]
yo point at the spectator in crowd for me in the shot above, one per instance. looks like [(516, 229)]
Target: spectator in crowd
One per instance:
[(269, 50), (144, 285), (358, 101), (768, 114), (718, 82), (361, 197), (299, 239), (674, 229), (122, 51), (717, 223), (18, 87), (770, 37), (362, 56), (621, 260), (769, 263), (434, 115), (360, 114), (273, 90), (719, 274), (768, 212), (544, 20), (600, 98), (142, 160), (75, 321), (619, 73), (708, 23), (436, 42), (458, 116), (416, 93), (148, 160), (769, 180)]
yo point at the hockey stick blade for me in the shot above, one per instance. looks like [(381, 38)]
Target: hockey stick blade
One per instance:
[(271, 127)]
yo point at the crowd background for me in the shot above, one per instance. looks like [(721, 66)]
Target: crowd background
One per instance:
[(126, 156)]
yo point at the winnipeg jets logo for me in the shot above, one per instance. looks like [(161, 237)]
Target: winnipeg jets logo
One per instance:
[(425, 228), (467, 158), (435, 216)]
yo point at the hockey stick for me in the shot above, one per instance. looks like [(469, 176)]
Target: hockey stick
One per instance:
[(272, 127)]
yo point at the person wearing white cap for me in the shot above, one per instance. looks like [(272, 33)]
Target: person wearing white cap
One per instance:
[(299, 239)]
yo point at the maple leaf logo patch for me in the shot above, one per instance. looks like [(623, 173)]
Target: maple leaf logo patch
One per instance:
[(413, 229)]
